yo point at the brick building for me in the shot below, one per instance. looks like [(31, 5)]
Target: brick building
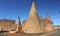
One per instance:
[(57, 27), (10, 25)]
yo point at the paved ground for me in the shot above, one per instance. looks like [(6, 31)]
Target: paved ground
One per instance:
[(2, 34), (56, 33), (23, 34)]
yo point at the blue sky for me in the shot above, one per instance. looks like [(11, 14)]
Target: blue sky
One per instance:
[(11, 9)]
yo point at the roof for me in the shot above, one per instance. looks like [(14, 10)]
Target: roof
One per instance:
[(7, 19), (56, 25)]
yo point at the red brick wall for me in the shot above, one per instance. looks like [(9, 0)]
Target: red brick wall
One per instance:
[(7, 24)]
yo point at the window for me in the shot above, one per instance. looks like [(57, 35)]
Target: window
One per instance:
[(12, 29), (5, 24)]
